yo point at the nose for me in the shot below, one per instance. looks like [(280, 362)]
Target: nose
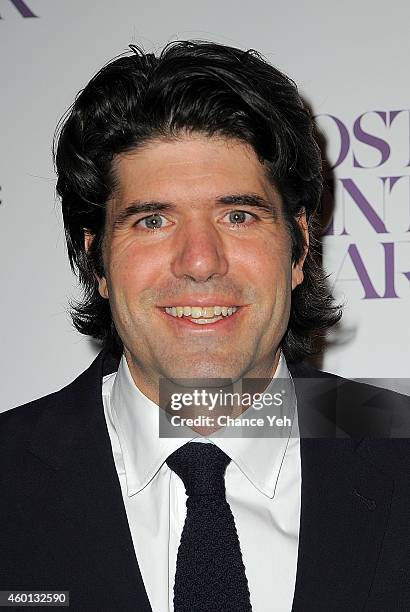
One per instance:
[(199, 253)]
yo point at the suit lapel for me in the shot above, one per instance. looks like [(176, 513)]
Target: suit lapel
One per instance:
[(85, 513), (345, 508)]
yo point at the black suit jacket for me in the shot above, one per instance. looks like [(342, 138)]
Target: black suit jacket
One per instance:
[(63, 524)]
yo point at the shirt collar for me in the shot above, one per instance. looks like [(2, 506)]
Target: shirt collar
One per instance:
[(261, 458), (136, 421)]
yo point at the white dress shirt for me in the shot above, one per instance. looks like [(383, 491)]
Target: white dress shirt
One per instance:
[(263, 482)]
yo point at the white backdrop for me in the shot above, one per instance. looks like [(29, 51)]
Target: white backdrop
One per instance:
[(350, 61)]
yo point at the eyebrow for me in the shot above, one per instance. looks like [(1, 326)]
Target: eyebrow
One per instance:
[(249, 199), (239, 199)]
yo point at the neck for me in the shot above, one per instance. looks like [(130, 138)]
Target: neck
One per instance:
[(201, 405)]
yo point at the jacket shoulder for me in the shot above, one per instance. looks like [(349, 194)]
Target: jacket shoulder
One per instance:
[(18, 424), (356, 408)]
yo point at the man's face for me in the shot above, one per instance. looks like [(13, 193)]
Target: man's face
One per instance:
[(195, 227)]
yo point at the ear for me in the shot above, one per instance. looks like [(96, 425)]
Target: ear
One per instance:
[(297, 267), (102, 282)]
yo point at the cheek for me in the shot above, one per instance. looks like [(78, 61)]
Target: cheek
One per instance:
[(132, 270), (266, 264), (268, 268)]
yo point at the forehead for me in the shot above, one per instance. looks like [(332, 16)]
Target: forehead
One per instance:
[(191, 167)]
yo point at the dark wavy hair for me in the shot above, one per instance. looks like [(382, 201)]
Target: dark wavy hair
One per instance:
[(201, 87)]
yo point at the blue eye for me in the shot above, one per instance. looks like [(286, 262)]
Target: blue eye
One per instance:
[(152, 222), (239, 217)]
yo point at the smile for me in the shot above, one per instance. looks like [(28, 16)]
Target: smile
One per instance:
[(201, 315)]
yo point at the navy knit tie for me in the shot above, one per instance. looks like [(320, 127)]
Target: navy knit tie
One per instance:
[(210, 575)]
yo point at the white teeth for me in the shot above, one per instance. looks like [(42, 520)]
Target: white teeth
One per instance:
[(207, 321), (196, 312), (208, 313)]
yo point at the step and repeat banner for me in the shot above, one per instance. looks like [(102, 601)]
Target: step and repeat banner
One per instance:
[(350, 62)]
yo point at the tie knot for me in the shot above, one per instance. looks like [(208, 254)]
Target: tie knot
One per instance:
[(201, 467)]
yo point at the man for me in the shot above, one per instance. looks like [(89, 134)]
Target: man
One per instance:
[(189, 184)]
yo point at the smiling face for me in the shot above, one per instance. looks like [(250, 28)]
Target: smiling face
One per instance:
[(195, 224)]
